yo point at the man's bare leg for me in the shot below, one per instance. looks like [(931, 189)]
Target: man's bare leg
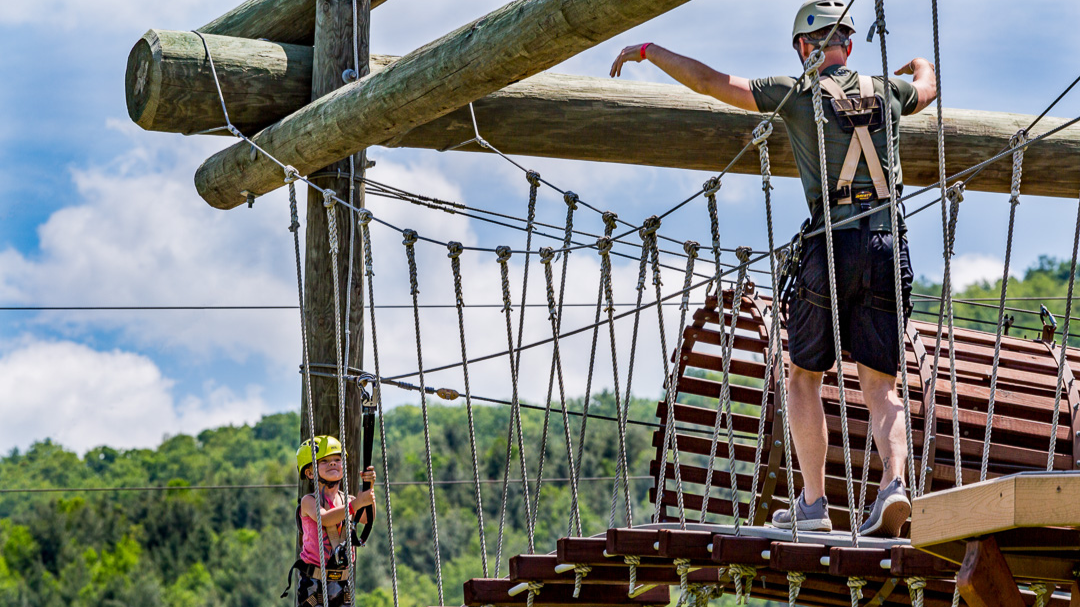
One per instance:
[(807, 417), (887, 413)]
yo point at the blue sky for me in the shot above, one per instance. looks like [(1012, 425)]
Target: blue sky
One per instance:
[(95, 211)]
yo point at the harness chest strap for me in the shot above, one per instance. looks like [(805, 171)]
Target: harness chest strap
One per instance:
[(861, 144)]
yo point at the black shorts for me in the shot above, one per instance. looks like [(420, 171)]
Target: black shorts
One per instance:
[(866, 294), (309, 594)]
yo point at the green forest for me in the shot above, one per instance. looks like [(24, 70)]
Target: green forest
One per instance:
[(203, 543)]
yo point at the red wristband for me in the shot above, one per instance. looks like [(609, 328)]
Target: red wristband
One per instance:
[(643, 47)]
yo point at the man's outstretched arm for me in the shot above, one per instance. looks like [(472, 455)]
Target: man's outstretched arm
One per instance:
[(924, 81), (693, 74)]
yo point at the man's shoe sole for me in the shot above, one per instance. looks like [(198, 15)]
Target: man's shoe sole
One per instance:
[(894, 513), (824, 525)]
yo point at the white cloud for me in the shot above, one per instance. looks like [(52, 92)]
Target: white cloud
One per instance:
[(970, 268), (81, 398)]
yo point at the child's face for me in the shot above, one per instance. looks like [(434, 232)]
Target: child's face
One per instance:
[(330, 468)]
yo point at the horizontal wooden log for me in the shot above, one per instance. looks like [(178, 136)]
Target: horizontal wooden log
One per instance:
[(574, 117), (514, 42), (278, 20)]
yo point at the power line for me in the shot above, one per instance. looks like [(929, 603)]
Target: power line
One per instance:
[(289, 485)]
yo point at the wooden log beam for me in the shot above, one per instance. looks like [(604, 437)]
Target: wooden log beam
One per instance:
[(514, 42), (278, 20), (170, 88)]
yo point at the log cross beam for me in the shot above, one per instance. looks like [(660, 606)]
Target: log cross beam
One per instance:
[(514, 42)]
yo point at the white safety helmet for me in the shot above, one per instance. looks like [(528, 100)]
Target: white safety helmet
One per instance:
[(815, 15)]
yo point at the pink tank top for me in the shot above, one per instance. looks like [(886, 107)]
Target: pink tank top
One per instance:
[(309, 552)]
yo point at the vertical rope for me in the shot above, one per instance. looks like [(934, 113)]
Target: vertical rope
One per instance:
[(546, 256), (364, 218), (1018, 167), (813, 65), (894, 203), (916, 586), (454, 253), (291, 175), (775, 356), (723, 405), (571, 200), (648, 236), (1042, 592), (1064, 349), (855, 585), (609, 221), (711, 187), (503, 254), (340, 350), (946, 281), (410, 252)]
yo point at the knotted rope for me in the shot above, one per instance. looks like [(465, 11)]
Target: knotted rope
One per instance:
[(682, 567), (503, 257), (291, 175), (454, 250), (533, 592), (795, 581), (711, 187), (1014, 200), (364, 218), (813, 63), (546, 256), (855, 584), (743, 576), (1042, 592), (580, 571), (773, 356), (603, 246), (916, 586), (340, 350), (1064, 344), (409, 240), (632, 561), (648, 237)]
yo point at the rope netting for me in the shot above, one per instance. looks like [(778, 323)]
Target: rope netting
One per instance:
[(650, 258)]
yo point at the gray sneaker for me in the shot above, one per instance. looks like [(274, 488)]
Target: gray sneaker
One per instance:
[(890, 511), (811, 517)]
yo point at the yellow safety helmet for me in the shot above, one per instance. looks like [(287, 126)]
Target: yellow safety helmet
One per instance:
[(325, 446), (815, 15)]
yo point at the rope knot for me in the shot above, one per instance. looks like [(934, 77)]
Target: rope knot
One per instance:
[(410, 237), (856, 585), (743, 254), (955, 193), (1042, 593), (649, 227), (455, 248), (329, 198), (761, 133), (291, 174), (603, 245), (580, 571), (571, 200), (795, 581), (533, 178), (503, 252), (611, 221), (712, 186), (364, 217), (546, 255), (814, 61), (691, 248)]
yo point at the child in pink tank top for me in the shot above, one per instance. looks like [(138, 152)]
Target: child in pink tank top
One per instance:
[(339, 513)]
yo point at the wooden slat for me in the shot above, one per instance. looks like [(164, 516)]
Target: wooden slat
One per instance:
[(728, 550), (637, 542), (799, 557), (479, 592), (858, 562), (910, 562)]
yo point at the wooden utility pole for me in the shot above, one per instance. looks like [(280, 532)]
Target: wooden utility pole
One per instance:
[(333, 57)]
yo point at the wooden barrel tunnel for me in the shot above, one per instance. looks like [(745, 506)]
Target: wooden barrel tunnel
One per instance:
[(1020, 438), (1024, 406)]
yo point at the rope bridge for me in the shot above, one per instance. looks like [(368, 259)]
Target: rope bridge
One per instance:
[(723, 442)]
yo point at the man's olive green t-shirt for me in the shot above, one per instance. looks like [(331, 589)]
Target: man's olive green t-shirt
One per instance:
[(798, 116)]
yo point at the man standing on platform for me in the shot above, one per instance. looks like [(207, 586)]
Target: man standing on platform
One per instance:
[(856, 150)]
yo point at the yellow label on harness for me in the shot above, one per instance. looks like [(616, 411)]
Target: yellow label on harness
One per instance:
[(334, 576), (864, 195)]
